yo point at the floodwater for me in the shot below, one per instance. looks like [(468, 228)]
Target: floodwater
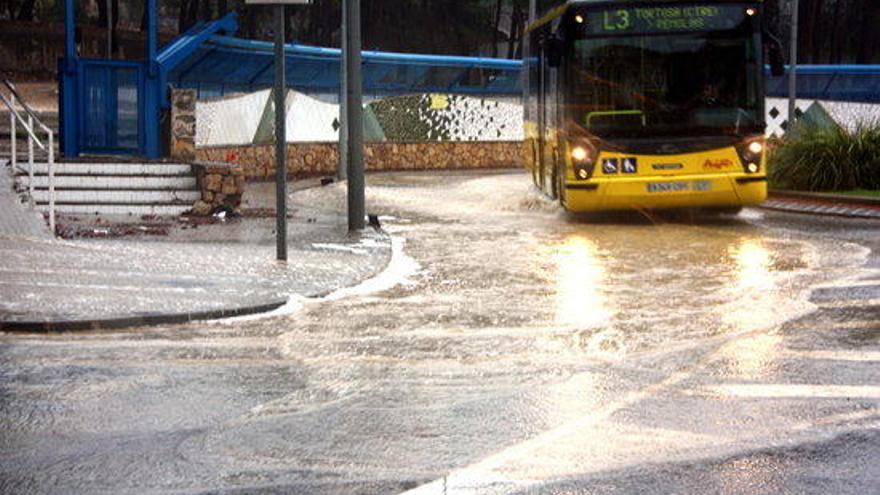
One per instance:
[(508, 347)]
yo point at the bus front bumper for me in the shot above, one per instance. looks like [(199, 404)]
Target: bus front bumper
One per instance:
[(625, 193)]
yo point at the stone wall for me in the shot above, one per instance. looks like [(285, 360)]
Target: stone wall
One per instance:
[(222, 185), (182, 142), (316, 159)]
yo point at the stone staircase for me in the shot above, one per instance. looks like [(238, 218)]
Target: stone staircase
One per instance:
[(113, 188), (100, 186)]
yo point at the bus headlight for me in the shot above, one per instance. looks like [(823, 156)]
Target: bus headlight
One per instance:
[(579, 154), (582, 160), (751, 154), (756, 147)]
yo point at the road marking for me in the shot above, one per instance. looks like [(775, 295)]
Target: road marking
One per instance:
[(851, 303), (856, 356), (837, 325), (477, 477), (790, 391), (849, 284)]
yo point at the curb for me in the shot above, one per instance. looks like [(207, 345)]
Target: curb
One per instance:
[(830, 197), (823, 204), (135, 321)]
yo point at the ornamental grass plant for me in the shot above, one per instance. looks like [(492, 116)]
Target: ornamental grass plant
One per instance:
[(827, 159)]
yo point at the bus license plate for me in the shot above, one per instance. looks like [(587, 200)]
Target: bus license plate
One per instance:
[(679, 186)]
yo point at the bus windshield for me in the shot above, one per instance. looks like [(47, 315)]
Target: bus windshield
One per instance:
[(644, 85)]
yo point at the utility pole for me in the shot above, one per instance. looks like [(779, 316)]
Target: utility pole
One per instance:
[(280, 95), (342, 166), (109, 29), (527, 51), (355, 117), (280, 136), (792, 66)]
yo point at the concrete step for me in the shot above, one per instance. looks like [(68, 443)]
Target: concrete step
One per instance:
[(125, 182), (112, 186), (99, 197), (115, 169), (135, 210)]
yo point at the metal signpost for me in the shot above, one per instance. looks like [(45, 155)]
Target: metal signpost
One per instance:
[(792, 67), (280, 123), (354, 115)]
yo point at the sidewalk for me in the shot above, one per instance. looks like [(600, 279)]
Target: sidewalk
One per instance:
[(193, 272), (15, 219), (824, 204)]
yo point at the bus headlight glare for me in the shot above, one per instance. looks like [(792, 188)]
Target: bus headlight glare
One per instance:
[(753, 167), (756, 147), (579, 154), (583, 174)]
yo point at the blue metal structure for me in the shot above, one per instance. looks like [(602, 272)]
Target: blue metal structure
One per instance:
[(855, 83), (115, 107), (110, 106), (225, 64)]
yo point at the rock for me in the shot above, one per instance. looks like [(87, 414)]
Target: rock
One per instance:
[(213, 182), (202, 209), (229, 186)]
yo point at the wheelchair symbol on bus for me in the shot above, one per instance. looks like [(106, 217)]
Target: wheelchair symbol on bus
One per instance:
[(609, 166)]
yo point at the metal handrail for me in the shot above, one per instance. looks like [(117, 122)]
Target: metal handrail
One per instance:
[(10, 104), (48, 147), (25, 106)]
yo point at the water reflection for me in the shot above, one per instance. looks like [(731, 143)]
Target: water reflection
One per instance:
[(581, 274), (753, 357), (757, 300), (754, 298)]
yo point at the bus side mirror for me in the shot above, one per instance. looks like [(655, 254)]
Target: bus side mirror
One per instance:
[(555, 48), (774, 55)]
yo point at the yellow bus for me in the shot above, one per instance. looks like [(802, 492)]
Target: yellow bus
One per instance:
[(635, 104)]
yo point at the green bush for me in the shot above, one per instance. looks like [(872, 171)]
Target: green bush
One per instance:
[(831, 159)]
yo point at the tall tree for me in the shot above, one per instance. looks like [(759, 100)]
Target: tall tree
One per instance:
[(27, 11)]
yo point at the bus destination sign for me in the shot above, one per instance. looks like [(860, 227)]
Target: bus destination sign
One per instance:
[(664, 19)]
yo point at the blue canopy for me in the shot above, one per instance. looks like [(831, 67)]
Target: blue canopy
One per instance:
[(216, 64)]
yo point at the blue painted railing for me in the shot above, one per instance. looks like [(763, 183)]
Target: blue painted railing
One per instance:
[(855, 83)]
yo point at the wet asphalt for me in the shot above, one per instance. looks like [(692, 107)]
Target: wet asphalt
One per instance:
[(508, 348)]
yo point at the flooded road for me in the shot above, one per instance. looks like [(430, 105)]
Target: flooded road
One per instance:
[(509, 348)]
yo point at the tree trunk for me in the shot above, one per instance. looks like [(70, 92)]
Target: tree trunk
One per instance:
[(26, 12), (102, 13), (205, 11), (870, 41), (189, 14), (496, 27)]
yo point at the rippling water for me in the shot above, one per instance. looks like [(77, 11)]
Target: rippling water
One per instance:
[(512, 319)]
